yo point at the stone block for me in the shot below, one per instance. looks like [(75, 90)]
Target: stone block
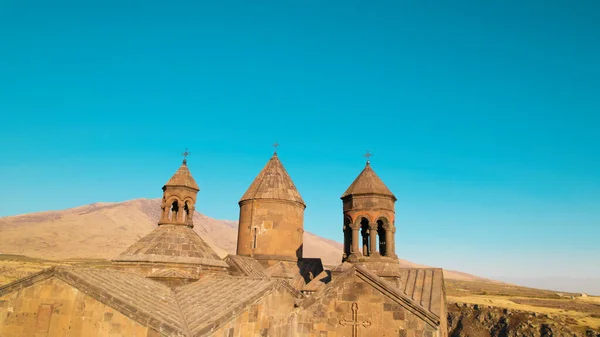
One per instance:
[(399, 315)]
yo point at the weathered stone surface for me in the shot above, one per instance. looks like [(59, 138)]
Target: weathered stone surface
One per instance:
[(271, 220), (52, 307), (172, 244)]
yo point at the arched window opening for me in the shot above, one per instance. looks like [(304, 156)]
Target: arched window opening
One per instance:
[(347, 237), (381, 233), (186, 212), (174, 211), (364, 232)]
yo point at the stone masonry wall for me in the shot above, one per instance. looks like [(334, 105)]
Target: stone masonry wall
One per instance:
[(279, 230), (376, 315), (268, 317), (54, 308)]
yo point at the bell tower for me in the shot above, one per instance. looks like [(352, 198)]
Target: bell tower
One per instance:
[(179, 198), (368, 207), (271, 225), (173, 252)]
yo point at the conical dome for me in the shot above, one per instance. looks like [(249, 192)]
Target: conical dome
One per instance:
[(273, 182), (183, 177), (368, 182)]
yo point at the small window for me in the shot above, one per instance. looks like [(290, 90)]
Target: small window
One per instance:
[(254, 237)]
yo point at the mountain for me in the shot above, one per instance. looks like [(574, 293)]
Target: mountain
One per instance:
[(103, 230)]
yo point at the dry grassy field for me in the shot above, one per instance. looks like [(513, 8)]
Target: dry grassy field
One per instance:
[(568, 307)]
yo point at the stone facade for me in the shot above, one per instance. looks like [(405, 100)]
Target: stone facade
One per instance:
[(171, 283), (53, 308), (268, 317)]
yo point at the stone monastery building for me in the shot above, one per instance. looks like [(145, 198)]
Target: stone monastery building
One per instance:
[(171, 282)]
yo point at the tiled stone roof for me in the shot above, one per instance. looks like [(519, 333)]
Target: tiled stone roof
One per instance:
[(183, 177), (368, 182), (172, 244), (212, 301), (424, 286), (145, 301), (172, 273), (246, 266), (283, 269), (273, 182), (191, 310)]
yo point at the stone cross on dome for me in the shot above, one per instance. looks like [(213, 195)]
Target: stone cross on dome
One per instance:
[(368, 155), (185, 154)]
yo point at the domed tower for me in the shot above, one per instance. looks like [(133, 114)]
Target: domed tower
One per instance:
[(173, 252), (369, 220), (271, 225), (179, 198)]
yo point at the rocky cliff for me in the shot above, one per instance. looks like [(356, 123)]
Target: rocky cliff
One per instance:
[(485, 321)]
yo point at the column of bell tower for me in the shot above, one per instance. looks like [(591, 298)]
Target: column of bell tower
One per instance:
[(369, 218)]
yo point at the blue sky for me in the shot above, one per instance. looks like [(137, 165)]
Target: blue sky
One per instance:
[(483, 117)]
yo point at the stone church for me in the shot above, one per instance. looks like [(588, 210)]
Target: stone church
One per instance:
[(172, 283)]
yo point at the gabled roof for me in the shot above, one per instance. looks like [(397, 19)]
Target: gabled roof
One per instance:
[(172, 244), (273, 182), (246, 266), (422, 285), (422, 299), (368, 182), (195, 309), (298, 273), (183, 177), (425, 302), (212, 301), (144, 301)]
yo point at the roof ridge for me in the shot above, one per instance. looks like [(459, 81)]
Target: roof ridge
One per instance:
[(182, 315), (28, 280), (217, 321)]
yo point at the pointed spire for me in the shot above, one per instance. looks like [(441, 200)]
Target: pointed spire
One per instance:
[(368, 182), (273, 182), (183, 177)]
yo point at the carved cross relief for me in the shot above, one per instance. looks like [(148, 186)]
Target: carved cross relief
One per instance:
[(354, 322)]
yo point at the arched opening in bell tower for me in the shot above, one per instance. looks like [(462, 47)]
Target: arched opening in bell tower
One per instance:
[(381, 232), (174, 211), (186, 212), (364, 232)]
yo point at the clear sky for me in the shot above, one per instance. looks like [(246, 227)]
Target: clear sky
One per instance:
[(483, 116)]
